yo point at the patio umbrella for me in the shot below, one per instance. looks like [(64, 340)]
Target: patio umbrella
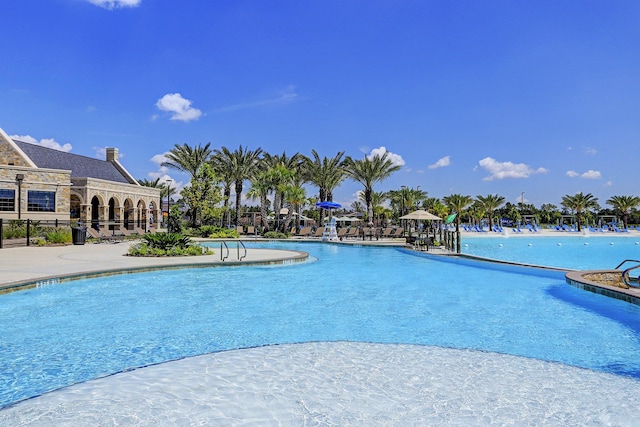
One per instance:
[(328, 205), (420, 214)]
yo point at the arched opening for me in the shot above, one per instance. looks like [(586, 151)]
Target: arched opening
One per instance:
[(128, 214), (95, 213), (75, 207), (142, 216), (112, 213)]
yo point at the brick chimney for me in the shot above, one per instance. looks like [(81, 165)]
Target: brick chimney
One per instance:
[(112, 154)]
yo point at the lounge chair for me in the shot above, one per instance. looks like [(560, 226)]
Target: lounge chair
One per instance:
[(127, 233), (352, 232), (251, 230), (397, 233), (318, 233), (342, 233), (102, 236), (369, 232), (387, 232), (304, 232), (139, 230), (240, 229)]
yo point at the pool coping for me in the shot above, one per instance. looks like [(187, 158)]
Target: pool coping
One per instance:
[(293, 257), (577, 279)]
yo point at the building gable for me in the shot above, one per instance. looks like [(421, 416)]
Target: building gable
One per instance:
[(11, 154)]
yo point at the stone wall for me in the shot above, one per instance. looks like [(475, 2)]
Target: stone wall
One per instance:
[(57, 181), (9, 156), (610, 278)]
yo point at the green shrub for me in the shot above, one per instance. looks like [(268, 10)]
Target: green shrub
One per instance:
[(166, 241), (275, 235), (58, 235), (167, 244)]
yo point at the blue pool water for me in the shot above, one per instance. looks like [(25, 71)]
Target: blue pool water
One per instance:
[(595, 252), (71, 332)]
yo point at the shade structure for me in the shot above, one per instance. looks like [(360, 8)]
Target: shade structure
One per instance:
[(328, 205), (421, 215), (285, 211)]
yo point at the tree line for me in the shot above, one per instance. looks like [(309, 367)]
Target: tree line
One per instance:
[(278, 181)]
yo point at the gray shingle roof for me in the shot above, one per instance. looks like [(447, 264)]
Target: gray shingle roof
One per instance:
[(80, 166)]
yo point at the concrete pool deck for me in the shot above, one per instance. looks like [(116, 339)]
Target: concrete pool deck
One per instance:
[(20, 265)]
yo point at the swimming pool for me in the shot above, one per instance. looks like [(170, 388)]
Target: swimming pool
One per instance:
[(68, 333), (591, 252)]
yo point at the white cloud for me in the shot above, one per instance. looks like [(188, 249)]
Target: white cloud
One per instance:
[(608, 184), (503, 170), (445, 161), (180, 107), (590, 151), (115, 4), (284, 97), (396, 159), (46, 142), (591, 174), (158, 159)]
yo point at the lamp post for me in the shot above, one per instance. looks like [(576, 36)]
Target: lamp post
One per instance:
[(19, 179), (168, 201), (403, 187), (522, 207)]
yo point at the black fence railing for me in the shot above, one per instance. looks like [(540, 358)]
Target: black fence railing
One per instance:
[(24, 232)]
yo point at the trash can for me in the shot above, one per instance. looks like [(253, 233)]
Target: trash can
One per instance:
[(79, 235)]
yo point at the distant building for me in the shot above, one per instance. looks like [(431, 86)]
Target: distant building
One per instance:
[(43, 184)]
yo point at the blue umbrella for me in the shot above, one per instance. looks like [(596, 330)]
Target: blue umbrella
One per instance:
[(328, 205)]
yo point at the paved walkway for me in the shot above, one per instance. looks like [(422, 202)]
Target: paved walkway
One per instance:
[(29, 264)]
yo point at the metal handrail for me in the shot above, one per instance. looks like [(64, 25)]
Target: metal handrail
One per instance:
[(625, 273), (222, 242), (243, 247), (627, 260)]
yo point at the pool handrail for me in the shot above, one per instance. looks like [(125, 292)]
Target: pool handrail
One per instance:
[(625, 273), (222, 258), (243, 247)]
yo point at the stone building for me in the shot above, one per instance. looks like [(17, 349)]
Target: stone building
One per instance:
[(43, 184)]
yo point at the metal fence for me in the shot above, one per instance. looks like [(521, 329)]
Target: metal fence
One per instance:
[(24, 232)]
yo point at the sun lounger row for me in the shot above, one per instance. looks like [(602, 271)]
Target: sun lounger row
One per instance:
[(250, 230)]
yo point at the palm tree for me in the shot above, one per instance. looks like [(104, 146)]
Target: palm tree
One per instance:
[(624, 205), (150, 183), (435, 206), (368, 172), (294, 196), (224, 172), (281, 163), (326, 173), (377, 199), (261, 185), (407, 199), (243, 164), (490, 203), (187, 159), (457, 203), (579, 203)]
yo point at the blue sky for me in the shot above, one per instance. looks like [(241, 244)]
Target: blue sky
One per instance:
[(471, 97)]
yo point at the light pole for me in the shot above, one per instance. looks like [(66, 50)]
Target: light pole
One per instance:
[(19, 179), (402, 211), (168, 200), (522, 207)]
